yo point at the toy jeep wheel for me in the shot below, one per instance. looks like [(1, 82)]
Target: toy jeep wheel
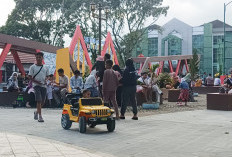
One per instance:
[(111, 125), (82, 125), (65, 121)]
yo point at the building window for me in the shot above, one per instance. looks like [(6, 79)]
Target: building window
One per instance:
[(218, 39), (152, 47), (174, 46)]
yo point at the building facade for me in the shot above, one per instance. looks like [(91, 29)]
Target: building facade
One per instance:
[(179, 38)]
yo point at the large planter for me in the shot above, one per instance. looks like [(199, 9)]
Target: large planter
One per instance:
[(206, 90), (165, 93), (7, 98), (173, 95), (219, 101), (150, 105)]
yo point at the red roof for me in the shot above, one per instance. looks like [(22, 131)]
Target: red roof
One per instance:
[(24, 57)]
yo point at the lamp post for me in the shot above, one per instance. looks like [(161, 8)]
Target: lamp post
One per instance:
[(99, 6), (224, 42)]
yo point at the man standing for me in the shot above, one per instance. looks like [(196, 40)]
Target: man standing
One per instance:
[(38, 74), (76, 82)]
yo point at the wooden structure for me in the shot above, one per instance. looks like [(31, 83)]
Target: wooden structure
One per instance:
[(182, 62)]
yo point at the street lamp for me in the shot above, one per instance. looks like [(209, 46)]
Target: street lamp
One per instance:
[(224, 51), (99, 7)]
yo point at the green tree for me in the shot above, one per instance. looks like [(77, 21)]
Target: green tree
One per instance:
[(131, 15), (49, 20), (46, 20), (194, 65)]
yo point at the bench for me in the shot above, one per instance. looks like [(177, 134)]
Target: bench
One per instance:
[(206, 89), (219, 101), (8, 98)]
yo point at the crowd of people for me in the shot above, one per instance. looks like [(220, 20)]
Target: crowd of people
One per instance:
[(117, 88), (105, 80)]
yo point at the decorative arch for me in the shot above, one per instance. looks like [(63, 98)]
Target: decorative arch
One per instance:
[(77, 44), (110, 46)]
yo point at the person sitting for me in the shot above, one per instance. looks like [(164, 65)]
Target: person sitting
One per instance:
[(175, 81), (229, 82), (12, 85), (155, 87), (217, 81), (144, 82), (198, 82), (62, 86), (86, 93), (91, 84), (76, 82), (209, 80), (20, 82), (225, 79)]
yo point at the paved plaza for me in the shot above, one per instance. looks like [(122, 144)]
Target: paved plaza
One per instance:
[(200, 133)]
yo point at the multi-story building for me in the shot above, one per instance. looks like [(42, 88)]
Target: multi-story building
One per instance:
[(179, 38)]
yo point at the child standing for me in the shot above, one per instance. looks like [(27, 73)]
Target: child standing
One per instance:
[(49, 89), (110, 85), (184, 92)]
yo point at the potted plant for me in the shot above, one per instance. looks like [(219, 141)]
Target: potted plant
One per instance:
[(164, 79)]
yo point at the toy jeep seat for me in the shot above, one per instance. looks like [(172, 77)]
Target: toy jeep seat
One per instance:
[(73, 99)]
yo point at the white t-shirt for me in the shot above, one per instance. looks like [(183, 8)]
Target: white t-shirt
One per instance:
[(41, 77), (63, 81), (144, 81), (217, 82)]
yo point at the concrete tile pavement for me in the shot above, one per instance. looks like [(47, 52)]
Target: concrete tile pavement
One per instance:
[(14, 145), (200, 133)]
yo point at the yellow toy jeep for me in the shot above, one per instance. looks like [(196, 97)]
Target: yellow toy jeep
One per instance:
[(87, 111)]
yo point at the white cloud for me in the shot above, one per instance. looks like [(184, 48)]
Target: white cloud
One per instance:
[(6, 6), (196, 12)]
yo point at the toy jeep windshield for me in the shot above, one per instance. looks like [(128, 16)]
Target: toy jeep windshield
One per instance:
[(87, 111)]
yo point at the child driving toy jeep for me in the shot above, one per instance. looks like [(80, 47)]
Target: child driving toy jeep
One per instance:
[(86, 111)]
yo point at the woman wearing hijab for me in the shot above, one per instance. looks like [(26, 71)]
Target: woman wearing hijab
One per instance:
[(91, 84), (184, 92), (129, 81), (12, 85), (187, 78)]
